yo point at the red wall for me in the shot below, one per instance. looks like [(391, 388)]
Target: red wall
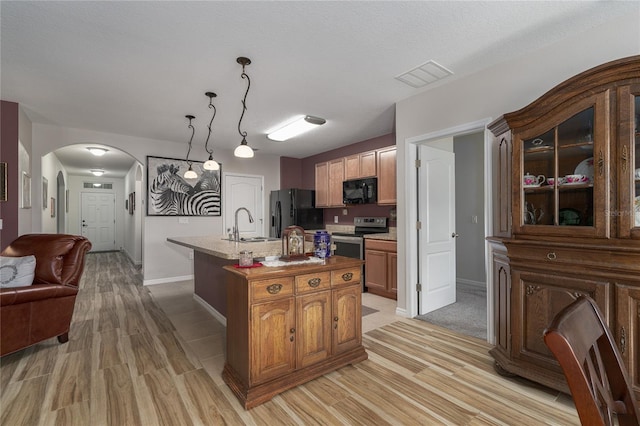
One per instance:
[(9, 155), (300, 173)]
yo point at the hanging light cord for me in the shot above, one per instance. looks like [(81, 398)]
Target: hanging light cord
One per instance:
[(211, 106), (244, 102), (193, 131)]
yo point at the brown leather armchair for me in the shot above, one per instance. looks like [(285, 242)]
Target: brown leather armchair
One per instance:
[(44, 309)]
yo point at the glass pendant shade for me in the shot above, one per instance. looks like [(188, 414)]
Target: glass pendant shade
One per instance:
[(243, 150), (211, 164), (190, 174)]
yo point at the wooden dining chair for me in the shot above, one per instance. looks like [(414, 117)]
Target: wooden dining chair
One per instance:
[(583, 345)]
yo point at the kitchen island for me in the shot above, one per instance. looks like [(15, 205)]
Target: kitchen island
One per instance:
[(289, 324), (210, 254)]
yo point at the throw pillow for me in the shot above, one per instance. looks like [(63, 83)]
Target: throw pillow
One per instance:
[(17, 271)]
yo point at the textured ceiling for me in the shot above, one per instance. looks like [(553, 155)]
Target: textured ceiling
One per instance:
[(137, 68)]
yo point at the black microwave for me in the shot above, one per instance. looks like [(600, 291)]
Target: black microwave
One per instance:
[(360, 191)]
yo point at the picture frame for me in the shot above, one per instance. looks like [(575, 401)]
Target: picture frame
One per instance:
[(66, 201), (26, 190), (126, 204), (45, 193), (132, 198), (53, 207), (194, 197), (3, 181)]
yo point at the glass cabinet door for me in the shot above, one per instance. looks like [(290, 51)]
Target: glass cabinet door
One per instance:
[(636, 161), (556, 182)]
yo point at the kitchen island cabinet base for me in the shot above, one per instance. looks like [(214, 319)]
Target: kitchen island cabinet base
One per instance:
[(253, 396)]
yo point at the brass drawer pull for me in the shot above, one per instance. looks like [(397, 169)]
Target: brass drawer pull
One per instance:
[(551, 256), (274, 288), (347, 276), (314, 282)]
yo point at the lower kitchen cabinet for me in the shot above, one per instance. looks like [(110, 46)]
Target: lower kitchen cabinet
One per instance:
[(381, 267), (289, 325)]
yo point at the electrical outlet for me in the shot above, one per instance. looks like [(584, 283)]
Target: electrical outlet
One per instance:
[(345, 212), (474, 219), (335, 219)]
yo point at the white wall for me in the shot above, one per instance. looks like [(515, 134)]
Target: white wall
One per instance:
[(162, 261), (470, 252), (132, 223), (490, 93), (50, 168)]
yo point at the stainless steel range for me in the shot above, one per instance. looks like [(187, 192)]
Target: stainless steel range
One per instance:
[(351, 244)]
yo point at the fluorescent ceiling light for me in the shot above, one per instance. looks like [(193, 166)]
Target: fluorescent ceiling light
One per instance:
[(295, 128), (98, 152), (97, 185), (97, 172)]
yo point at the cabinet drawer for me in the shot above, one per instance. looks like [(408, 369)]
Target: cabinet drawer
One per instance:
[(271, 289), (345, 276), (385, 245), (313, 282)]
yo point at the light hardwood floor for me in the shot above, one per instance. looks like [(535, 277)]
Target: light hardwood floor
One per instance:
[(137, 357)]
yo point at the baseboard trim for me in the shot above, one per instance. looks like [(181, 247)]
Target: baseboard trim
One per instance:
[(167, 280), (471, 282), (217, 315), (402, 312)]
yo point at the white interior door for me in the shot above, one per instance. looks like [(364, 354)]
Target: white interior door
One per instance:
[(97, 220), (436, 238), (244, 191)]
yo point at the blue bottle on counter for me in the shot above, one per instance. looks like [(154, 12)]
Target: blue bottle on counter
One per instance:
[(322, 244)]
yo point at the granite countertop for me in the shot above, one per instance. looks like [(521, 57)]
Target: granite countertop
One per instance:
[(215, 245), (391, 236)]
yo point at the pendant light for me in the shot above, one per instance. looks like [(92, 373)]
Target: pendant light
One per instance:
[(243, 150), (210, 164), (190, 174)]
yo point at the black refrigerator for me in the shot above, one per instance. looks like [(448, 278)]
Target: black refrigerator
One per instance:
[(294, 207)]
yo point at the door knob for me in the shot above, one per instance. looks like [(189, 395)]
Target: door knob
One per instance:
[(454, 235)]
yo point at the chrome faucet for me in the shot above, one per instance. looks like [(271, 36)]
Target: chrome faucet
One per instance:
[(236, 232)]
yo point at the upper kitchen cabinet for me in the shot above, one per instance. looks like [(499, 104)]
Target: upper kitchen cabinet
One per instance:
[(387, 176), (329, 178), (360, 165)]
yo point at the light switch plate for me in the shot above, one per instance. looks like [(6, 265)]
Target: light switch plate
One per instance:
[(335, 219)]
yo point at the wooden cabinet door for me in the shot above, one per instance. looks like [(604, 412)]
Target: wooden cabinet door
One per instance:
[(392, 273), (375, 269), (347, 318), (628, 162), (322, 184), (352, 167), (313, 319), (502, 300), (273, 338), (368, 164), (336, 177), (536, 299), (387, 176), (627, 330)]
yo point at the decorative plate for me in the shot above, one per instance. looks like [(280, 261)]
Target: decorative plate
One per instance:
[(585, 167)]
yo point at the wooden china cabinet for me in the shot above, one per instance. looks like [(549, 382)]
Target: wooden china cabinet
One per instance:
[(567, 217)]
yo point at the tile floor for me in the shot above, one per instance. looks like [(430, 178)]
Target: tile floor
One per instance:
[(205, 336)]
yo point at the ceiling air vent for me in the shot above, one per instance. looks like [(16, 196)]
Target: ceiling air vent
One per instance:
[(424, 74), (98, 185)]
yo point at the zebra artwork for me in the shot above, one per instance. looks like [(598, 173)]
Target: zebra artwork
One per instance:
[(172, 195)]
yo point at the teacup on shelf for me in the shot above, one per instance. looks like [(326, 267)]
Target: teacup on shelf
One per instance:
[(576, 179), (551, 181), (531, 180)]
